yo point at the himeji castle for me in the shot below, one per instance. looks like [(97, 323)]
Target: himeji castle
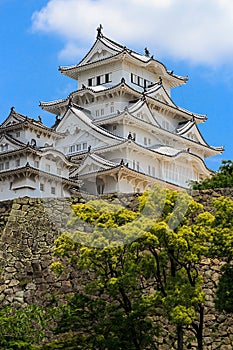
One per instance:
[(120, 131)]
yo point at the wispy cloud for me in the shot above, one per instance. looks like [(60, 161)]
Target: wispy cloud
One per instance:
[(196, 31)]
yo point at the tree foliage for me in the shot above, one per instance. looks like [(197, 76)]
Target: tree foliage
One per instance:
[(22, 327), (221, 179), (222, 228), (224, 295), (141, 264)]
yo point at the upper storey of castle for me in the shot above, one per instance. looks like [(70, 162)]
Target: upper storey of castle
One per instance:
[(108, 62)]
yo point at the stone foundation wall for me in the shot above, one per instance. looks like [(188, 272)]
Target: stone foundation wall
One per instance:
[(28, 228)]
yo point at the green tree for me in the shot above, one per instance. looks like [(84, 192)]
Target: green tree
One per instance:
[(222, 247), (140, 262), (121, 316), (22, 327), (224, 295), (221, 179), (176, 243), (222, 244)]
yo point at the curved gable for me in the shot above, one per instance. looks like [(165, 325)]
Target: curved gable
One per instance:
[(141, 111), (8, 143)]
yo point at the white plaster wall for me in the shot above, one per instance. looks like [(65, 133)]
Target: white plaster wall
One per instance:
[(121, 70), (111, 185), (31, 188), (102, 107), (125, 187)]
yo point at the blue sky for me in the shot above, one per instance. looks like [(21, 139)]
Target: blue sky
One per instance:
[(192, 38)]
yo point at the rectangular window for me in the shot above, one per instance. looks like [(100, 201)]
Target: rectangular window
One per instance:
[(111, 109), (59, 171), (1, 166), (7, 165), (145, 141), (97, 113), (17, 162), (134, 78), (84, 145), (108, 77), (114, 127), (149, 169), (72, 148), (53, 190), (90, 81), (78, 147), (36, 164), (17, 134), (140, 81), (41, 187), (98, 80), (137, 166), (102, 111)]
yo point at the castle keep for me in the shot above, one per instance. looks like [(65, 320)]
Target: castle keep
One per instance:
[(120, 131)]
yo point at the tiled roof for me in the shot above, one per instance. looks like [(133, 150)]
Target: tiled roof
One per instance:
[(119, 49)]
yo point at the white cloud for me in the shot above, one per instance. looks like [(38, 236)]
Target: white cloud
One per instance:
[(195, 30), (71, 51)]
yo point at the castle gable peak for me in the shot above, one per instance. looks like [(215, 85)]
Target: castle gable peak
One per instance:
[(100, 50)]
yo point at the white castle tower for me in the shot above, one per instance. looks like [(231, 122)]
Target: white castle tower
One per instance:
[(120, 131)]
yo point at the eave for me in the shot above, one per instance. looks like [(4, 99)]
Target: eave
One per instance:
[(134, 174), (28, 170), (88, 123), (28, 124), (122, 53), (25, 150), (41, 152), (158, 130), (129, 144), (11, 139), (121, 88)]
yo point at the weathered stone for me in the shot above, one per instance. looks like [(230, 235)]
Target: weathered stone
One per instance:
[(29, 227), (19, 294), (8, 291), (10, 269), (226, 347), (13, 283), (19, 300)]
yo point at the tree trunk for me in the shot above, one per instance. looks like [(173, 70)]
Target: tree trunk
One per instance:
[(180, 338), (200, 329)]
